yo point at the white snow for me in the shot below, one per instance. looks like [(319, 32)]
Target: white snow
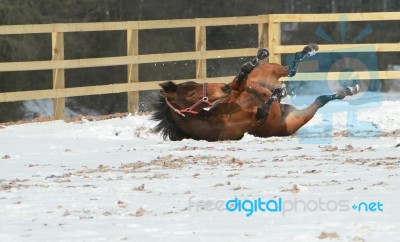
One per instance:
[(115, 180), (44, 107)]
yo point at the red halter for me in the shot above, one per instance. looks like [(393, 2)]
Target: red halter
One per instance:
[(191, 110)]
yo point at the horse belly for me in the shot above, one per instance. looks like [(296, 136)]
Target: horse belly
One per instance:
[(273, 126)]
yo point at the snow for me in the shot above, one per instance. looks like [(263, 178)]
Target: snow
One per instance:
[(115, 180), (44, 107)]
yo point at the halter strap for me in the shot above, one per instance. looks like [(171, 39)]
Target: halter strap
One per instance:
[(190, 109)]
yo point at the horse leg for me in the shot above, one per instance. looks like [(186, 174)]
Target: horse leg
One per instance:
[(295, 119), (263, 109), (309, 50), (247, 68), (279, 93)]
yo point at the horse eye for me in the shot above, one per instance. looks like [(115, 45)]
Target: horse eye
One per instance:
[(190, 94), (226, 88)]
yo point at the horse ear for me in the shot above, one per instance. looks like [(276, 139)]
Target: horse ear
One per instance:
[(168, 86)]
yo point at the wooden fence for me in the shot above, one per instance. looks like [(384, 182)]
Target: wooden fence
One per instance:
[(269, 32)]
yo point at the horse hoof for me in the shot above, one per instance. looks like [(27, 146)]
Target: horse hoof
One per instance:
[(280, 92), (353, 90), (311, 49), (262, 54), (348, 91), (313, 46)]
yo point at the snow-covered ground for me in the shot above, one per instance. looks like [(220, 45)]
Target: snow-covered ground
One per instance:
[(115, 180), (44, 107)]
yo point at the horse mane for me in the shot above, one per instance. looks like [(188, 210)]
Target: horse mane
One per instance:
[(166, 125)]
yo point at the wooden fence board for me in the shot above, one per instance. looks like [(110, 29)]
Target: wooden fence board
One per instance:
[(126, 60), (133, 69), (96, 90), (378, 47), (337, 17), (57, 40), (115, 26)]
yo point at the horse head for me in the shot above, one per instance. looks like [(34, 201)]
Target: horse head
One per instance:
[(179, 100), (192, 97)]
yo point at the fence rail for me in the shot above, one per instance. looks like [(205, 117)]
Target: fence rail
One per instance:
[(269, 32)]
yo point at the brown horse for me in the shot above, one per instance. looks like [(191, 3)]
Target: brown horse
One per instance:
[(249, 104)]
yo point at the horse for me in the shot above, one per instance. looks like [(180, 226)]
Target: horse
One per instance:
[(249, 104)]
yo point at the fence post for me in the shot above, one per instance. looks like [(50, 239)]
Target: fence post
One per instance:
[(57, 42), (263, 34), (133, 69), (274, 39), (201, 65)]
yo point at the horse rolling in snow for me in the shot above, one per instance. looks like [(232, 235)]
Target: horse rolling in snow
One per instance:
[(249, 104)]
